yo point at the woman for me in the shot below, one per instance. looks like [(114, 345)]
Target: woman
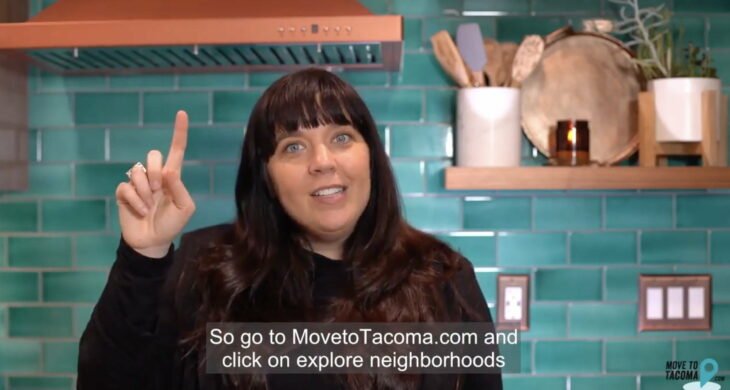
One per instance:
[(318, 236)]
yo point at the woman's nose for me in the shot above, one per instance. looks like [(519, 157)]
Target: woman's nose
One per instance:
[(322, 160)]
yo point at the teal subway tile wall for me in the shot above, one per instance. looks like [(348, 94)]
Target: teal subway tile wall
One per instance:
[(583, 251)]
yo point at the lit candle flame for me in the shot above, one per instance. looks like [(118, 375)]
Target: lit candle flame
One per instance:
[(572, 135)]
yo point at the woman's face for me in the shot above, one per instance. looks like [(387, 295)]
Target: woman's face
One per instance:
[(322, 178)]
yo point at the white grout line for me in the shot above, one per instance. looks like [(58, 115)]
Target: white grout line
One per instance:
[(462, 216), (604, 283), (38, 145), (108, 212), (107, 144), (424, 103), (73, 108), (210, 108), (533, 348), (708, 249), (532, 212), (73, 238), (532, 285), (42, 355), (40, 287), (39, 217), (6, 250), (56, 305), (73, 320), (6, 321), (386, 134), (497, 259), (424, 179), (211, 181), (73, 180), (140, 109)]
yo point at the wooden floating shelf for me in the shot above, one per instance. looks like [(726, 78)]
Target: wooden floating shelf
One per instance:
[(586, 178)]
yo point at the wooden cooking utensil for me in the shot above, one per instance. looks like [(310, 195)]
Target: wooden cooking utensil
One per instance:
[(469, 42), (495, 64), (526, 59), (508, 55), (558, 34), (448, 56), (604, 26)]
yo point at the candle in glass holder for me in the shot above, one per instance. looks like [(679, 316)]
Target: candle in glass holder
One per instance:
[(572, 142)]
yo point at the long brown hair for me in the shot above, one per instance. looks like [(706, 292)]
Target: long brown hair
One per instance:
[(264, 273)]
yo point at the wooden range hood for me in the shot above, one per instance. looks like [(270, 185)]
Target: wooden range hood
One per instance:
[(138, 36)]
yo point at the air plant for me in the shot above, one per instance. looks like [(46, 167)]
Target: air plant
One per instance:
[(650, 35)]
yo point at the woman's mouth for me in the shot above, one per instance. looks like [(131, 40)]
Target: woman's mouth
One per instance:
[(329, 191), (330, 195)]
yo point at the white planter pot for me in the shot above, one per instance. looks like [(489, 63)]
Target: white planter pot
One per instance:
[(488, 130), (678, 105)]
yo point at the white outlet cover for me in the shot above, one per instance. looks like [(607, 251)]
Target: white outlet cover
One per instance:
[(696, 297), (513, 303), (675, 302), (654, 303)]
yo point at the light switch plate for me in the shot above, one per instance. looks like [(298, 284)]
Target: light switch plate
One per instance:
[(675, 302), (513, 302)]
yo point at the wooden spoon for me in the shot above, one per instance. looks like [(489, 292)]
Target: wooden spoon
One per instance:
[(526, 59), (493, 69), (448, 56), (508, 55)]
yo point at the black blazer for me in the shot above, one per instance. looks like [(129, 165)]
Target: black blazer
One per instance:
[(131, 339)]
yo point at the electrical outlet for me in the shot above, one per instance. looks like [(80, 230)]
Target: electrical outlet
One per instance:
[(513, 295), (513, 303), (675, 302)]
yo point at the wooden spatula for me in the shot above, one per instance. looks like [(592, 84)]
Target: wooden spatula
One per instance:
[(469, 42), (448, 56)]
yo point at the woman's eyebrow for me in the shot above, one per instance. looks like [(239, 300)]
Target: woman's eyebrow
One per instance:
[(282, 134)]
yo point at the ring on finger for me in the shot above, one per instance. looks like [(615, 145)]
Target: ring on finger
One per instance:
[(138, 164)]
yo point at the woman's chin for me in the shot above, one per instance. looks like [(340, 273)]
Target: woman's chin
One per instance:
[(332, 230)]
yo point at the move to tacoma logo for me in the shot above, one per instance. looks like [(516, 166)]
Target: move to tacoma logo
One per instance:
[(682, 370)]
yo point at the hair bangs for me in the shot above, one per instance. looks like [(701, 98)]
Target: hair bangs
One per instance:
[(308, 104)]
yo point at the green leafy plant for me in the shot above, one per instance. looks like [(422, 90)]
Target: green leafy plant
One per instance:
[(657, 54)]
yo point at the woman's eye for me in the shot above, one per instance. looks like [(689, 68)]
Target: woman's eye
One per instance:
[(342, 138), (292, 148)]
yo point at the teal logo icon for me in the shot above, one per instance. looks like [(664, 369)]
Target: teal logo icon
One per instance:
[(707, 370)]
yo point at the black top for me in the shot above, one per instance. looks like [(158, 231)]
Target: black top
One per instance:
[(130, 340)]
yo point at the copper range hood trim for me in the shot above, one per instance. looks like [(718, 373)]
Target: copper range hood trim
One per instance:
[(88, 36)]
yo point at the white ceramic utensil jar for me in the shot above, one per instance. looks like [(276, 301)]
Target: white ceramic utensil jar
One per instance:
[(488, 131)]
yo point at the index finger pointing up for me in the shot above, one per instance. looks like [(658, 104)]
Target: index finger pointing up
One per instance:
[(179, 142)]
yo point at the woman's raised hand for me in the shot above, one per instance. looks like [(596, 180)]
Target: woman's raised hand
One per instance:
[(155, 206)]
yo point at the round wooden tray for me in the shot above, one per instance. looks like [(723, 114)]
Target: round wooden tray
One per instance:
[(589, 76)]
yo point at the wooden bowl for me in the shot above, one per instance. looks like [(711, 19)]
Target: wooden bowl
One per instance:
[(590, 76)]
